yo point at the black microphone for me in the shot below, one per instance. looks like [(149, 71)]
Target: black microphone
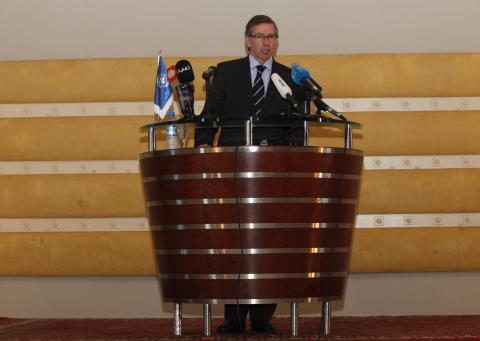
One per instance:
[(185, 90), (184, 71), (208, 73), (185, 99)]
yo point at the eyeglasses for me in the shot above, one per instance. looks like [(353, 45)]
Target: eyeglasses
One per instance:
[(262, 37)]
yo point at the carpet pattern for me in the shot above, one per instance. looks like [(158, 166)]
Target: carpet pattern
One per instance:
[(378, 328)]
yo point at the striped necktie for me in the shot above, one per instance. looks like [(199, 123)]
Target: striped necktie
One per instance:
[(258, 90)]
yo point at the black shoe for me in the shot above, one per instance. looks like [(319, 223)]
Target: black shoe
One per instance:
[(264, 327), (229, 327)]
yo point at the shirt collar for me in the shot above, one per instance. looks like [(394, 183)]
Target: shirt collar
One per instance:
[(254, 62)]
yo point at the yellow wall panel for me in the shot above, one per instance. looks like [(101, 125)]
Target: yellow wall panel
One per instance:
[(73, 138), (76, 138), (415, 249), (71, 196), (119, 138), (79, 80), (420, 191), (72, 253), (395, 75), (120, 195), (133, 79), (130, 253), (408, 133)]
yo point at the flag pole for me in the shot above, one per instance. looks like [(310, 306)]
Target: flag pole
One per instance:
[(158, 64)]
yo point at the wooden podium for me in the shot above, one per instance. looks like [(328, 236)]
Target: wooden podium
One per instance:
[(252, 224)]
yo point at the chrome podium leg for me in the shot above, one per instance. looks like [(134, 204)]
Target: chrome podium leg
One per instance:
[(207, 309), (326, 317), (305, 133), (177, 319), (348, 136), (249, 132), (294, 319), (152, 139)]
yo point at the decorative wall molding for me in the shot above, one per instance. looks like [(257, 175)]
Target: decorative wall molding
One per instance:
[(405, 104), (111, 109), (132, 166), (421, 162), (418, 220), (403, 220), (73, 224), (69, 167), (146, 108)]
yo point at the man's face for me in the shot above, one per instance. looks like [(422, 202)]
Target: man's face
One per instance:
[(263, 43)]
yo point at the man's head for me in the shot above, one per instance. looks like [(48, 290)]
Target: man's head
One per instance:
[(261, 37)]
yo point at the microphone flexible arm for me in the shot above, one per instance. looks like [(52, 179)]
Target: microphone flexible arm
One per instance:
[(206, 109), (322, 106)]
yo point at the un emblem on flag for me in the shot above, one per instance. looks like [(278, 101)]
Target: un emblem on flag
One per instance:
[(162, 81)]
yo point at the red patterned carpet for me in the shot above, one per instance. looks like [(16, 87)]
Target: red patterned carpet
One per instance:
[(382, 328)]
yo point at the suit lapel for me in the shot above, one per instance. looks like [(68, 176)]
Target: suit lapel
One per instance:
[(245, 82)]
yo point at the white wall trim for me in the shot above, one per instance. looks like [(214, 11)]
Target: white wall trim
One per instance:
[(69, 167), (403, 220), (405, 104), (418, 220), (407, 162), (26, 110), (73, 224), (132, 166)]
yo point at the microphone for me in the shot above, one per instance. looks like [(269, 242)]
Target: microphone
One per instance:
[(171, 74), (301, 76), (284, 90), (207, 74), (185, 90), (184, 71)]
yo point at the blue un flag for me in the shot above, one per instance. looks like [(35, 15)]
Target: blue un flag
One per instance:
[(163, 91)]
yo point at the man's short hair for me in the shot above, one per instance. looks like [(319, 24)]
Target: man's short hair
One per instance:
[(257, 20)]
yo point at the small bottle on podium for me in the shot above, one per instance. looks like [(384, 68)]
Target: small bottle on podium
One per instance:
[(171, 132)]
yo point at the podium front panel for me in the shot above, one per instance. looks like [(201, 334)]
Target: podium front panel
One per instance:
[(258, 224)]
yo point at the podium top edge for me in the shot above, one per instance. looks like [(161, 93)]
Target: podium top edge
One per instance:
[(258, 122), (252, 149)]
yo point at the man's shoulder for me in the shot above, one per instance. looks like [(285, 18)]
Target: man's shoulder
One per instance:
[(232, 63), (280, 67)]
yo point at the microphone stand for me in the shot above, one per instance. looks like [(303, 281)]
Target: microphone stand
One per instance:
[(305, 109), (206, 108), (322, 106)]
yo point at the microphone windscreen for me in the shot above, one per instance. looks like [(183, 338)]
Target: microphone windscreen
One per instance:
[(281, 86), (298, 73), (209, 72), (184, 71)]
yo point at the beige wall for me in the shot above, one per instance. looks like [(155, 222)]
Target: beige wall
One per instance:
[(66, 29), (136, 297)]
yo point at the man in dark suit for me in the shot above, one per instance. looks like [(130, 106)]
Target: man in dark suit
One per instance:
[(242, 88), (231, 95)]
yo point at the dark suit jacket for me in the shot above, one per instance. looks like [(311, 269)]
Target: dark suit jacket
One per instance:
[(231, 97)]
